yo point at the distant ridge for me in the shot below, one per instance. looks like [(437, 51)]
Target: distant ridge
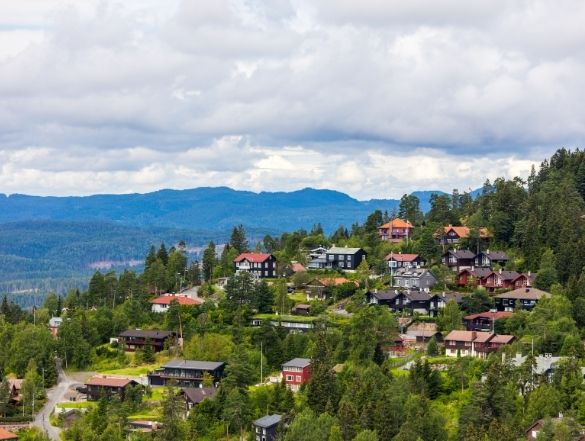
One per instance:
[(204, 208)]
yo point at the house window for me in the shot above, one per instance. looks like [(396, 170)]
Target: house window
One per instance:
[(299, 378), (289, 378), (342, 264)]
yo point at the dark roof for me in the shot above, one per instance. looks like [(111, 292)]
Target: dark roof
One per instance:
[(446, 296), (385, 295), (462, 254), (104, 381), (479, 273), (197, 394), (495, 255), (146, 333), (297, 362), (508, 275), (268, 421), (417, 296), (194, 364)]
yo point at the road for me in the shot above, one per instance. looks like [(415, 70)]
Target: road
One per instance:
[(54, 396)]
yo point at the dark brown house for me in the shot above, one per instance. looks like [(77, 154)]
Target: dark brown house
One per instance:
[(101, 386), (134, 339), (195, 395)]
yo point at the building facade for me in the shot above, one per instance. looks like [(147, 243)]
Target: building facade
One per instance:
[(296, 372)]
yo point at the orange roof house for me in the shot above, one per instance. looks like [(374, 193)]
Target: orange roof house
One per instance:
[(396, 230), (161, 304), (453, 234)]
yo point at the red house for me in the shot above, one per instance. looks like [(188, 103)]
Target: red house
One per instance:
[(524, 280), (296, 373), (396, 230), (473, 276)]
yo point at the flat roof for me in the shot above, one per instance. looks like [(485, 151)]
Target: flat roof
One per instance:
[(194, 364)]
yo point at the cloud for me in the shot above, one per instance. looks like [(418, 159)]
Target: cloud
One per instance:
[(373, 98)]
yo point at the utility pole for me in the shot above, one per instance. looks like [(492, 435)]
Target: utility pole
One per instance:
[(261, 376)]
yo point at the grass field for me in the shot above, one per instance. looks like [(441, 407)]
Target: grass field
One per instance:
[(76, 404)]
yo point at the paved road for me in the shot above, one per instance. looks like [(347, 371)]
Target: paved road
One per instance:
[(54, 396)]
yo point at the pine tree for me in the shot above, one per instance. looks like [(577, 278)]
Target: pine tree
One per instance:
[(208, 262), (263, 297), (4, 397), (238, 239), (322, 387), (162, 254), (148, 353), (150, 257)]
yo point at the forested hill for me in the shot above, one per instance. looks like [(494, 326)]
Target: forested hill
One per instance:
[(208, 208)]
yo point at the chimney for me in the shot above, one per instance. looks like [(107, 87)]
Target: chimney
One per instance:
[(473, 335), (500, 271), (487, 251), (529, 274), (527, 290), (472, 267)]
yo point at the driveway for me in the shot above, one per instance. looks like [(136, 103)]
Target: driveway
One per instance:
[(54, 395)]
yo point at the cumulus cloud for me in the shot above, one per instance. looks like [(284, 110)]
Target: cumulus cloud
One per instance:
[(374, 98)]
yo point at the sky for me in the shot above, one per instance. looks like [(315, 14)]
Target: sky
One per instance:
[(374, 98)]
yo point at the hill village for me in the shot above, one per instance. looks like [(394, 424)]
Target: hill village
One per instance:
[(462, 323)]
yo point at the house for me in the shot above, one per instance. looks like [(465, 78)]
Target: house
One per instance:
[(5, 435), (399, 260), (265, 428), (162, 303), (411, 301), (54, 323), (487, 259), (422, 332), (186, 373), (317, 258), (195, 395), (419, 278), (396, 230), (458, 260), (344, 258), (260, 264), (534, 431), (134, 339), (301, 309), (544, 366), (296, 372), (450, 235), (484, 321), (439, 301), (473, 277), (524, 280), (293, 268), (523, 298), (102, 386), (320, 288), (474, 343)]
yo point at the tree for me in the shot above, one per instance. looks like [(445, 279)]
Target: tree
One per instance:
[(208, 262), (450, 317), (238, 239), (547, 273), (172, 416), (409, 209), (263, 297), (307, 426), (163, 254), (422, 423), (432, 347), (366, 435), (236, 411), (32, 386), (148, 352), (4, 397), (322, 387)]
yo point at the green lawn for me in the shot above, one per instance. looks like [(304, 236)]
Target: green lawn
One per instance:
[(136, 371), (298, 297)]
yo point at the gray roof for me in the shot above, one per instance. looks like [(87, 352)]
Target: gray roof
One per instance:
[(385, 295), (495, 255), (543, 363), (412, 272), (146, 333), (417, 295), (298, 362), (197, 394), (343, 250), (462, 254), (268, 421), (478, 272), (194, 364)]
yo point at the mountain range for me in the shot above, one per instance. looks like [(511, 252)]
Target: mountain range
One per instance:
[(57, 242)]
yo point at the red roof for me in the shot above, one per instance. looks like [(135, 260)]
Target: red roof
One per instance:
[(181, 300), (253, 257), (297, 267), (6, 435), (101, 380), (397, 223), (401, 257)]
